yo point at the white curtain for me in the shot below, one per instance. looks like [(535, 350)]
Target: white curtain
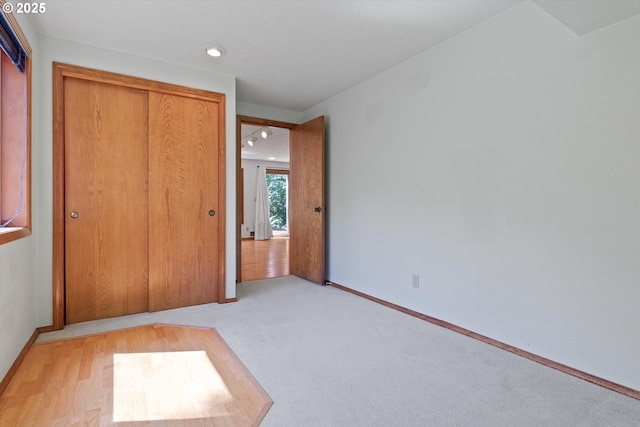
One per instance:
[(263, 220)]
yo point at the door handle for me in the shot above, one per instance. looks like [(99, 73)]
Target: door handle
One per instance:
[(317, 209), (212, 212), (74, 214)]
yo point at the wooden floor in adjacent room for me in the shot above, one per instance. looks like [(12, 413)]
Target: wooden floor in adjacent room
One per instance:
[(160, 375), (263, 259)]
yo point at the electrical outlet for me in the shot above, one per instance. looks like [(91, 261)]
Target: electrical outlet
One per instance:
[(415, 281)]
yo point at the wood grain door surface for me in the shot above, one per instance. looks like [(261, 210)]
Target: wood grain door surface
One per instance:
[(106, 245), (183, 191), (307, 201), (139, 195)]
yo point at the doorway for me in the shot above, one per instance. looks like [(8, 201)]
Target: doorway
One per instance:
[(306, 184), (263, 149)]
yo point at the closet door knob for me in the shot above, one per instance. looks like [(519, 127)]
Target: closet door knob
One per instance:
[(74, 214), (212, 212)]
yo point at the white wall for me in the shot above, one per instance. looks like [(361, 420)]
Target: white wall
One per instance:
[(250, 183), (18, 309), (501, 166), (263, 112), (17, 299)]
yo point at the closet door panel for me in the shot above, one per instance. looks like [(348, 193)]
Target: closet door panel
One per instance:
[(183, 197), (106, 200)]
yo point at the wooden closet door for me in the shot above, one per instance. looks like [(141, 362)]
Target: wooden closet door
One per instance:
[(183, 201), (106, 200)]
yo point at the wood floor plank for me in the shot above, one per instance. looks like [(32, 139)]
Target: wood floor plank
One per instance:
[(263, 259), (149, 375)]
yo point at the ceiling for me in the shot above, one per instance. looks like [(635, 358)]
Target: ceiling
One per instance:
[(275, 148), (293, 54), (585, 16)]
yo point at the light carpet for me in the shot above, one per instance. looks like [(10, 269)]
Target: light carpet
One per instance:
[(329, 358)]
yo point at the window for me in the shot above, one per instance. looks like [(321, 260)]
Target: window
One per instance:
[(15, 131), (278, 188)]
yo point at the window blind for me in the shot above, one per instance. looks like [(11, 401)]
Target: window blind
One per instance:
[(11, 45)]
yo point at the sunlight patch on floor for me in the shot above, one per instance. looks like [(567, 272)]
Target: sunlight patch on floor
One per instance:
[(175, 385)]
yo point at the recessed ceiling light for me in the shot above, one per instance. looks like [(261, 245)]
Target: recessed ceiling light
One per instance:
[(272, 158), (215, 51)]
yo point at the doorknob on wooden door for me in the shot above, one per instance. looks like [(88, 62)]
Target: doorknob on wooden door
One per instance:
[(317, 209), (74, 214)]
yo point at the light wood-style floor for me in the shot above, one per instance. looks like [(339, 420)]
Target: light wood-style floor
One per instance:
[(160, 375), (263, 259)]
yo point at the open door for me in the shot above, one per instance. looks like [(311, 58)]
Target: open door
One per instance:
[(307, 208)]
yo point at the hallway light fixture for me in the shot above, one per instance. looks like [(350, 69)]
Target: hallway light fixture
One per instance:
[(251, 138), (266, 133)]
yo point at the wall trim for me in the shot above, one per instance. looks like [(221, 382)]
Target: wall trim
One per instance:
[(23, 353), (627, 391)]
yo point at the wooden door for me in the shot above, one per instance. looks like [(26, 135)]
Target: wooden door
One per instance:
[(184, 207), (106, 200), (307, 204)]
